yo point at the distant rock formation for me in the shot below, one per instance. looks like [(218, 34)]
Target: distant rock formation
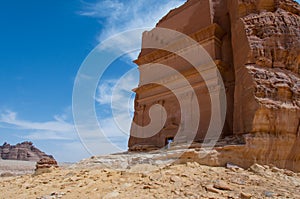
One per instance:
[(24, 151)]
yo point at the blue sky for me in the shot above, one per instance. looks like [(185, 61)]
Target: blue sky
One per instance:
[(43, 44)]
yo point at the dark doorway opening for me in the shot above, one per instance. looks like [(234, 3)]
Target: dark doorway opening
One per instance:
[(168, 142)]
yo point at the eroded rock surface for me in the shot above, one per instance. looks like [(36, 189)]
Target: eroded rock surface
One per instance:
[(24, 151), (45, 165), (266, 59), (256, 46)]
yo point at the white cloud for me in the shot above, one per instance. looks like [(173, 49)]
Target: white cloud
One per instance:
[(117, 91), (58, 128), (49, 135), (117, 16), (117, 95), (104, 91), (70, 151)]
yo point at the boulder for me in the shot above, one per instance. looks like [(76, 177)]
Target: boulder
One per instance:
[(45, 165)]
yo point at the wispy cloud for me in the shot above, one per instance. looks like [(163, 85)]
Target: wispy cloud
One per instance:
[(104, 92), (116, 16), (49, 135), (117, 95), (61, 129), (103, 9), (58, 128), (117, 91)]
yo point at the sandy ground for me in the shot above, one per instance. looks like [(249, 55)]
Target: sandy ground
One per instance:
[(189, 180), (14, 167), (17, 167)]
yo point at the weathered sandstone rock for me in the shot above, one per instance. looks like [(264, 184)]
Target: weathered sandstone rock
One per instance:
[(266, 59), (24, 151), (256, 46), (45, 165), (211, 30)]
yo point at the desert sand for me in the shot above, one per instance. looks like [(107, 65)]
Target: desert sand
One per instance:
[(188, 180), (16, 167)]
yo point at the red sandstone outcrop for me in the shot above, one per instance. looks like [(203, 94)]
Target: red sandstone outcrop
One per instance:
[(24, 151), (266, 60), (45, 165), (267, 68), (209, 25), (256, 47)]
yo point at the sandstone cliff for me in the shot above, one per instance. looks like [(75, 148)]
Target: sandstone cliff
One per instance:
[(24, 151), (267, 67), (256, 46), (266, 60)]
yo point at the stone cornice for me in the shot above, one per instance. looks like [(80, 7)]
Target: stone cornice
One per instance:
[(181, 90), (212, 32), (188, 74)]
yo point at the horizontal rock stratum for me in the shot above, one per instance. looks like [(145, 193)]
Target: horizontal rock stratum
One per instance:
[(24, 151), (255, 45)]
